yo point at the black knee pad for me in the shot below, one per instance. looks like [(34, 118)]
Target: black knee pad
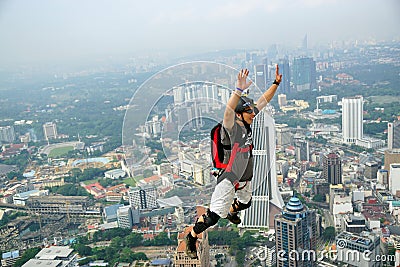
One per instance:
[(209, 219), (238, 206)]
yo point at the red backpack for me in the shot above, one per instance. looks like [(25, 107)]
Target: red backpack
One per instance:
[(218, 149)]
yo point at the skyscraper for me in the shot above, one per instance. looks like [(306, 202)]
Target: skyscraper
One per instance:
[(261, 76), (332, 168), (295, 233), (394, 134), (266, 200), (7, 134), (282, 100), (304, 74), (284, 69), (391, 156), (50, 130), (352, 119), (302, 151)]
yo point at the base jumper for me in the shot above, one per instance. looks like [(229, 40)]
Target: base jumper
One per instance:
[(234, 189)]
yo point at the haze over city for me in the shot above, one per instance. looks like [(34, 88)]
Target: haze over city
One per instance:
[(41, 32)]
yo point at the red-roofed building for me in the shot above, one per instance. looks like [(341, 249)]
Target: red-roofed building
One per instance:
[(153, 180), (96, 189)]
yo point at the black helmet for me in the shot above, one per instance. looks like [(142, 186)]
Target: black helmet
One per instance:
[(243, 103)]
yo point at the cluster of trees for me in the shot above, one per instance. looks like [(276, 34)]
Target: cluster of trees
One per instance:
[(21, 161), (10, 217), (26, 256), (69, 190), (237, 244), (122, 245), (76, 175)]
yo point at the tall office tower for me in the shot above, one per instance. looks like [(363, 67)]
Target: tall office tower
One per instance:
[(302, 151), (371, 170), (266, 201), (143, 198), (332, 168), (282, 100), (394, 179), (304, 44), (50, 130), (295, 230), (352, 119), (7, 134), (394, 134), (261, 76), (284, 69), (391, 156), (304, 74), (359, 250)]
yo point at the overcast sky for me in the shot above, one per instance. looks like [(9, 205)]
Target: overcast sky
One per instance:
[(56, 30)]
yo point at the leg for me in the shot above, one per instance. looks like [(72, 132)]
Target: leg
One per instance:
[(219, 207), (220, 202), (243, 194), (243, 200)]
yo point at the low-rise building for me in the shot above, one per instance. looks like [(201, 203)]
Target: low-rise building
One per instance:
[(54, 256)]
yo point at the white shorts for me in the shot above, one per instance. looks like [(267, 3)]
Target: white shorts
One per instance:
[(224, 194)]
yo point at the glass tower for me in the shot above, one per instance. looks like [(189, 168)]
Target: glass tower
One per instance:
[(266, 200)]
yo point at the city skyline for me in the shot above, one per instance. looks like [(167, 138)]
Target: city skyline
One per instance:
[(72, 31)]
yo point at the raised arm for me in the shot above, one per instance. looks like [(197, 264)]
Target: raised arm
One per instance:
[(241, 84), (267, 96)]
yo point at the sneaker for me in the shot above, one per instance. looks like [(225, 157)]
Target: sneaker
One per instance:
[(191, 251), (234, 218)]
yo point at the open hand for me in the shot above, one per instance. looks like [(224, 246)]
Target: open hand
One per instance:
[(241, 81)]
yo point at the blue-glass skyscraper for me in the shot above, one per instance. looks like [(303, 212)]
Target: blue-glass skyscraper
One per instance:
[(304, 74), (295, 235)]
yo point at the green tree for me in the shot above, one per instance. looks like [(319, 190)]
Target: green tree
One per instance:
[(30, 253), (83, 250), (319, 198), (329, 233), (134, 240)]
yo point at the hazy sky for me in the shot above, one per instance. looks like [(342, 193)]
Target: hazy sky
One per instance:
[(56, 30)]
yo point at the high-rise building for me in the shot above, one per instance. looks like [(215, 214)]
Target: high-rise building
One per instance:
[(352, 119), (394, 179), (284, 69), (7, 134), (394, 134), (283, 135), (124, 217), (261, 76), (143, 198), (50, 130), (295, 232), (371, 170), (302, 151), (383, 177), (266, 200), (304, 74), (391, 156), (282, 100), (332, 168)]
